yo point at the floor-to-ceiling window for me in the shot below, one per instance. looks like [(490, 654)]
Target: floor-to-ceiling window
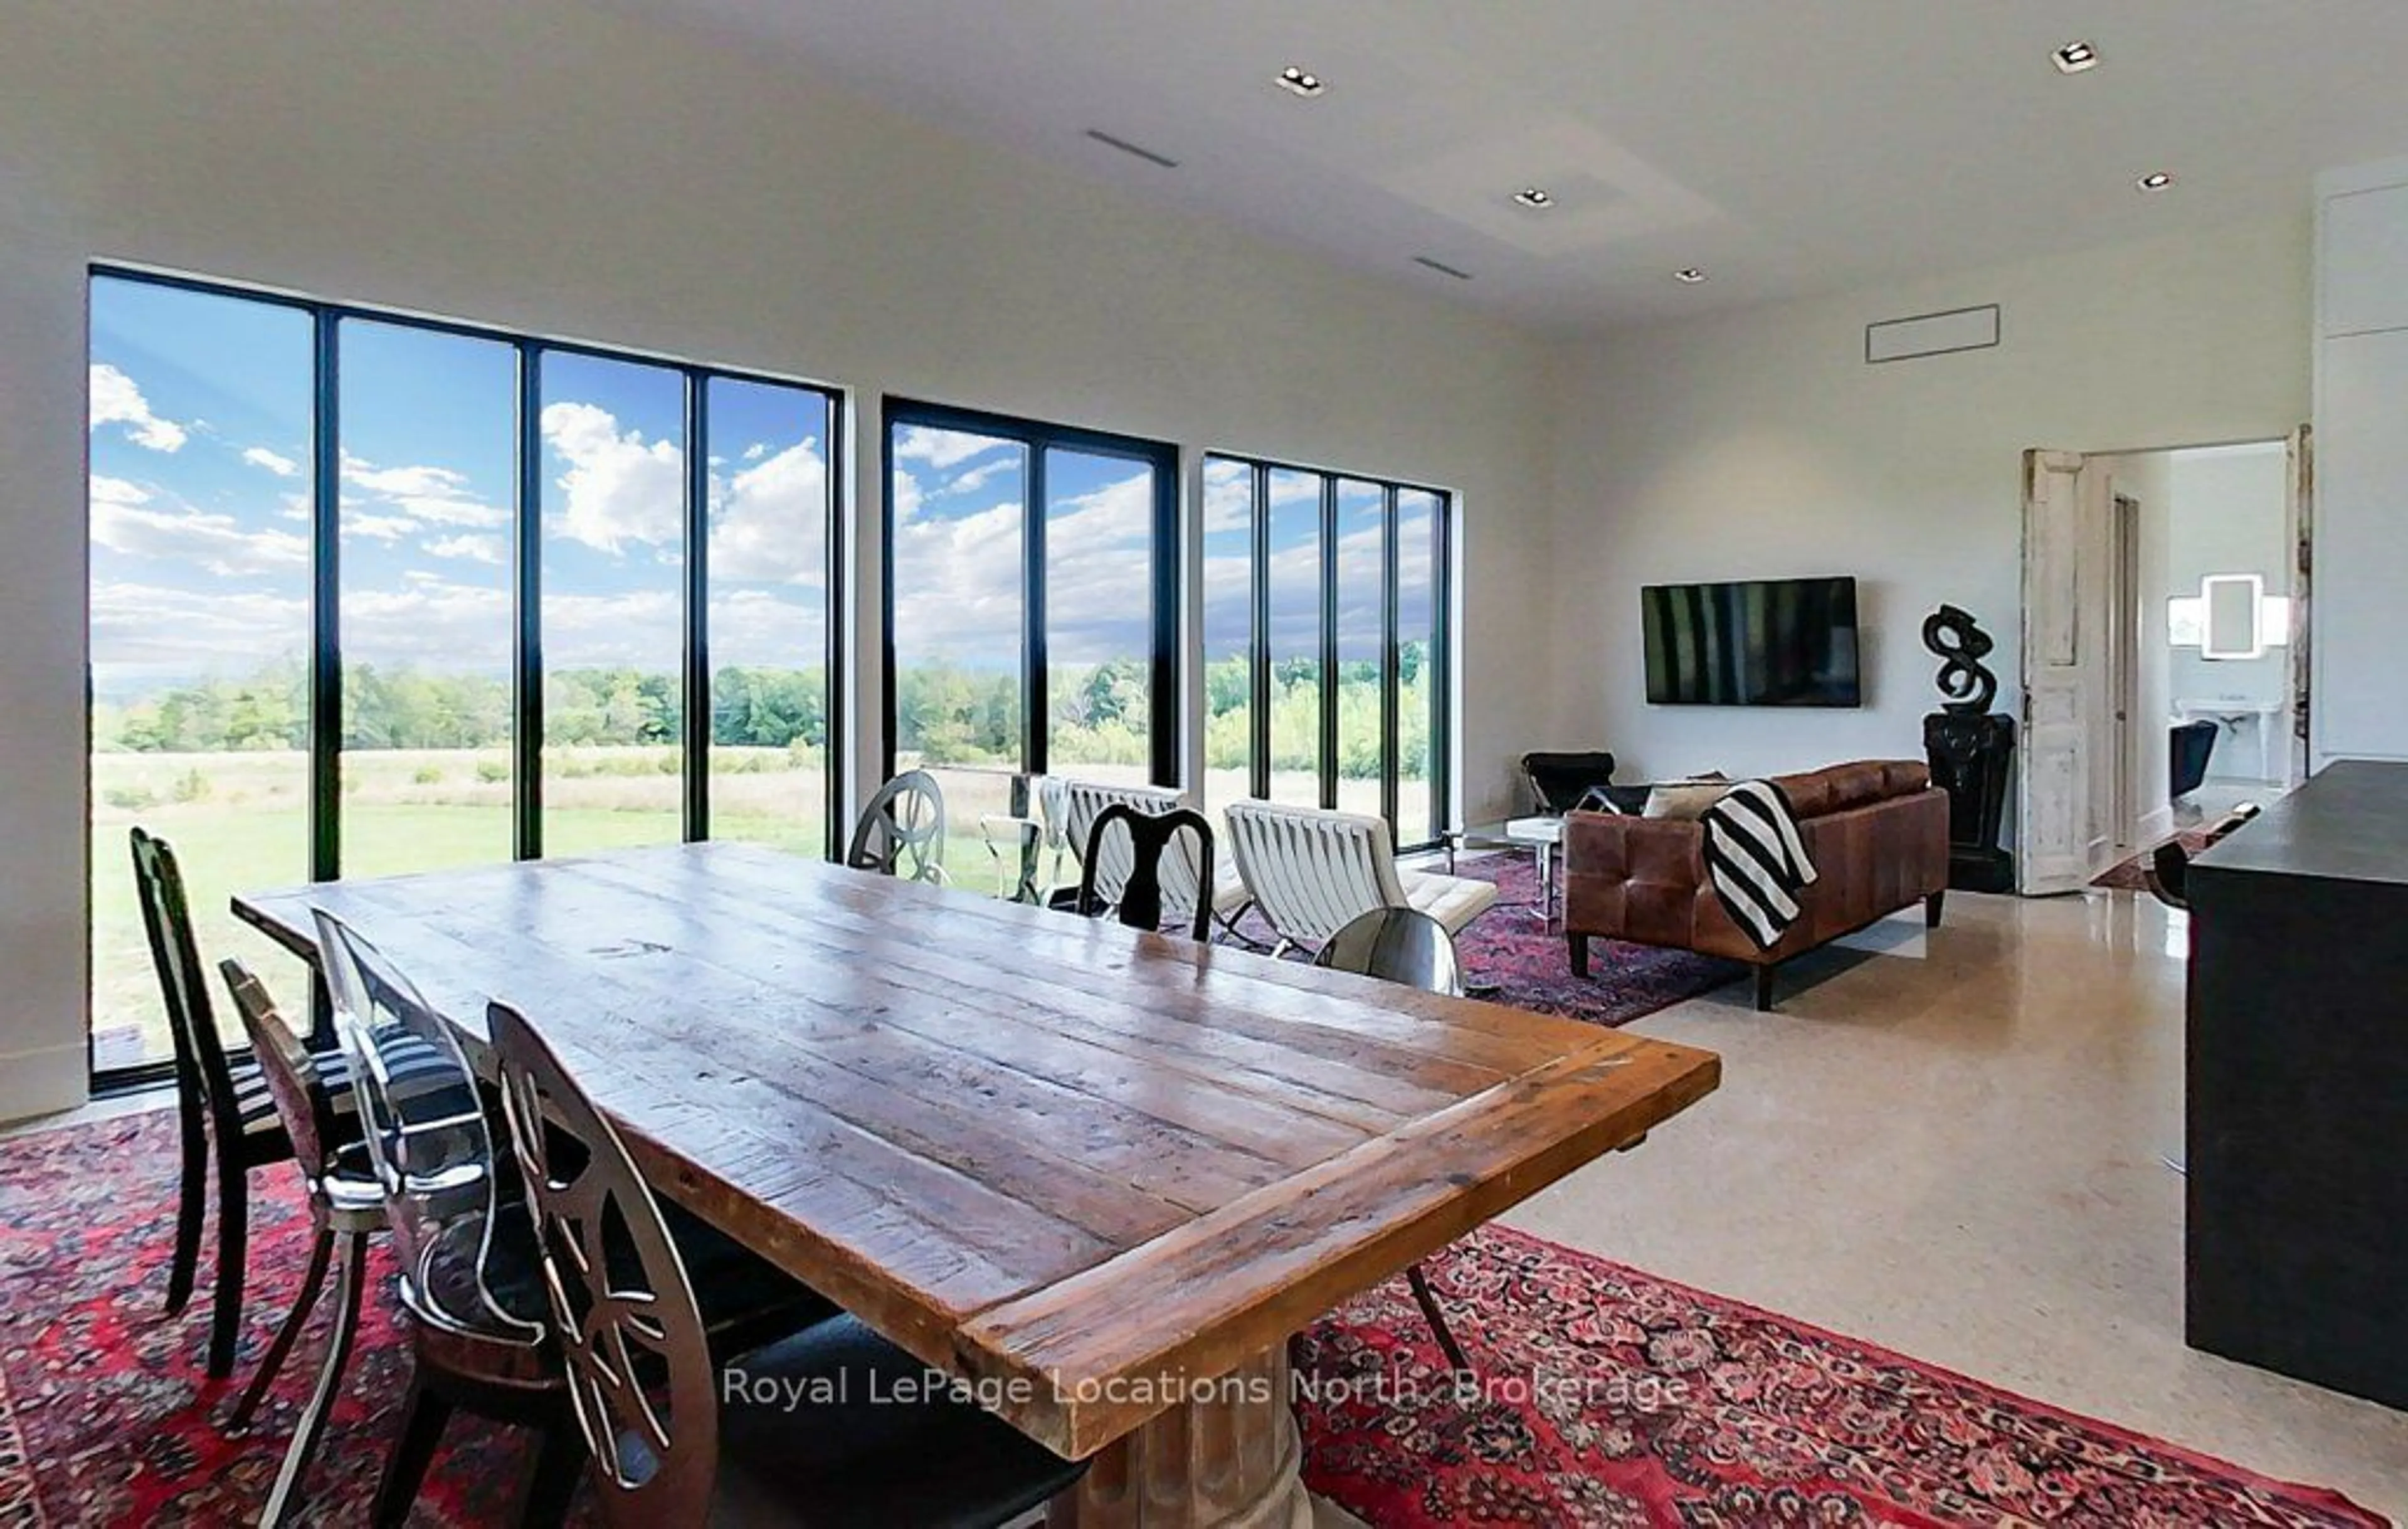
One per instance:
[(1032, 585), (1325, 642), (374, 595)]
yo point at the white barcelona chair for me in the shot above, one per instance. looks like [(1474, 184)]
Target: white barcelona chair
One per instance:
[(1313, 872)]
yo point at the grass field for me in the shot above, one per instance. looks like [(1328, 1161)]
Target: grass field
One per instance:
[(239, 823)]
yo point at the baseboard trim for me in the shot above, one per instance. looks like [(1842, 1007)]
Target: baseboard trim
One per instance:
[(43, 1082)]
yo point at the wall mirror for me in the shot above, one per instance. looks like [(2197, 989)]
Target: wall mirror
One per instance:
[(2231, 625)]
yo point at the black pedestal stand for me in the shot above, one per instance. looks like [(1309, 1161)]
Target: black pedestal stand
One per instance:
[(1971, 756)]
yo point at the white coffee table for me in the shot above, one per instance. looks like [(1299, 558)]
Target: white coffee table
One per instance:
[(1542, 835)]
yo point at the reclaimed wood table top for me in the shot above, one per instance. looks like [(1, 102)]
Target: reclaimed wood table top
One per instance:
[(1073, 1161)]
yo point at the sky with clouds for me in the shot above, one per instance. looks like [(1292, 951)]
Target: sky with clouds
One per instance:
[(201, 524)]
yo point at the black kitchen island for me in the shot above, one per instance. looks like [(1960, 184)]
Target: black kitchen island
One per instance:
[(2297, 1237)]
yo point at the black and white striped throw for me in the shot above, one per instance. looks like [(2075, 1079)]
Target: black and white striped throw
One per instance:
[(1756, 858)]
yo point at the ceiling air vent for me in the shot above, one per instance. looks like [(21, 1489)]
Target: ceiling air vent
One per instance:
[(1932, 334), (1443, 268)]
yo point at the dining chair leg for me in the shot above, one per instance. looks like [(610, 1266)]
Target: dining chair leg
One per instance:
[(233, 1236), (422, 1417), (352, 1268), (559, 1466), (322, 1252), (1420, 1284), (190, 1200)]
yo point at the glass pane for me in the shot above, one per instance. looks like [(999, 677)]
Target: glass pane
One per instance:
[(1362, 641), (201, 557), (959, 504), (1228, 632), (1295, 638), (1099, 617), (614, 603), (429, 425), (769, 511), (1417, 697)]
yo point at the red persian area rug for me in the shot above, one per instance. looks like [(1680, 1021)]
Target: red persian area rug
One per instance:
[(1610, 1398), (1511, 956)]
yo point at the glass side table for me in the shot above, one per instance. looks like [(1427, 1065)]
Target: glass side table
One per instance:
[(1542, 835)]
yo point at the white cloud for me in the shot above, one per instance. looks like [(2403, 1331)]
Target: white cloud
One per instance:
[(183, 630), (387, 528), (283, 467), (117, 400), (908, 495), (940, 449), (474, 549), (436, 496), (117, 491), (769, 522), (762, 629), (216, 544), (957, 587), (756, 451), (619, 487), (642, 630)]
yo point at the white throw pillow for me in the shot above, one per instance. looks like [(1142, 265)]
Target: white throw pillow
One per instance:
[(1684, 800)]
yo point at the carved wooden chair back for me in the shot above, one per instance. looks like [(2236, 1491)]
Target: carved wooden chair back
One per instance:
[(902, 830), (631, 1334)]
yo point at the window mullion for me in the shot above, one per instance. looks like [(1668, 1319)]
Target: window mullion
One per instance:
[(325, 730), (526, 730), (695, 712), (1328, 641)]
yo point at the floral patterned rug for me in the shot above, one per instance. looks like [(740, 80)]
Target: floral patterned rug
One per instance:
[(1513, 955), (1608, 1397)]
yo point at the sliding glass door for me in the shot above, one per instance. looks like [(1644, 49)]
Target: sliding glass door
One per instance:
[(1031, 603), (1325, 642)]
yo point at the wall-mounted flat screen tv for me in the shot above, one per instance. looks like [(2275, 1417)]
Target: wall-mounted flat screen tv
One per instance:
[(1765, 643)]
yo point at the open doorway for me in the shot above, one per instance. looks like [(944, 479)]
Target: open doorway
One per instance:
[(2165, 618), (2203, 591)]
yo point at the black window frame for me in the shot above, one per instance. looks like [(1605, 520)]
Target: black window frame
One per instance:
[(1441, 659), (323, 808), (1163, 696)]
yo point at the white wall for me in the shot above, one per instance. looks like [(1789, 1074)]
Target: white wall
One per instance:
[(1761, 444), (2362, 512), (548, 168)]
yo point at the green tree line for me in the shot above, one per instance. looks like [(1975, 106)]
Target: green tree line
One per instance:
[(947, 713)]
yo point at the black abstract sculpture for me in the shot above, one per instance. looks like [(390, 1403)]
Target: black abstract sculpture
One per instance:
[(1961, 644), (1971, 750)]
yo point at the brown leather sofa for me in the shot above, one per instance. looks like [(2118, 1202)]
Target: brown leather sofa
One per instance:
[(1877, 831)]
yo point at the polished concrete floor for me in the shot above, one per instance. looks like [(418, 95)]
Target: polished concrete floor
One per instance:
[(1955, 1146)]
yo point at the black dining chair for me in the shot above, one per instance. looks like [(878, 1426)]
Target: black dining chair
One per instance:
[(1405, 946), (1152, 836), (346, 1208), (2168, 872), (902, 830), (666, 1442), (225, 1113)]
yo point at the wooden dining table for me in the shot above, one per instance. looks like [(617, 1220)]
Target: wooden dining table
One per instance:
[(1098, 1176)]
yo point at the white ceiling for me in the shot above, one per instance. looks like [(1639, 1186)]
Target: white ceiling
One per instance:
[(1786, 146)]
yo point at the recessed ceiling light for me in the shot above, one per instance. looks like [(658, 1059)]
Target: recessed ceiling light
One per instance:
[(2154, 180), (1536, 198), (1688, 276), (2074, 57), (1297, 80)]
